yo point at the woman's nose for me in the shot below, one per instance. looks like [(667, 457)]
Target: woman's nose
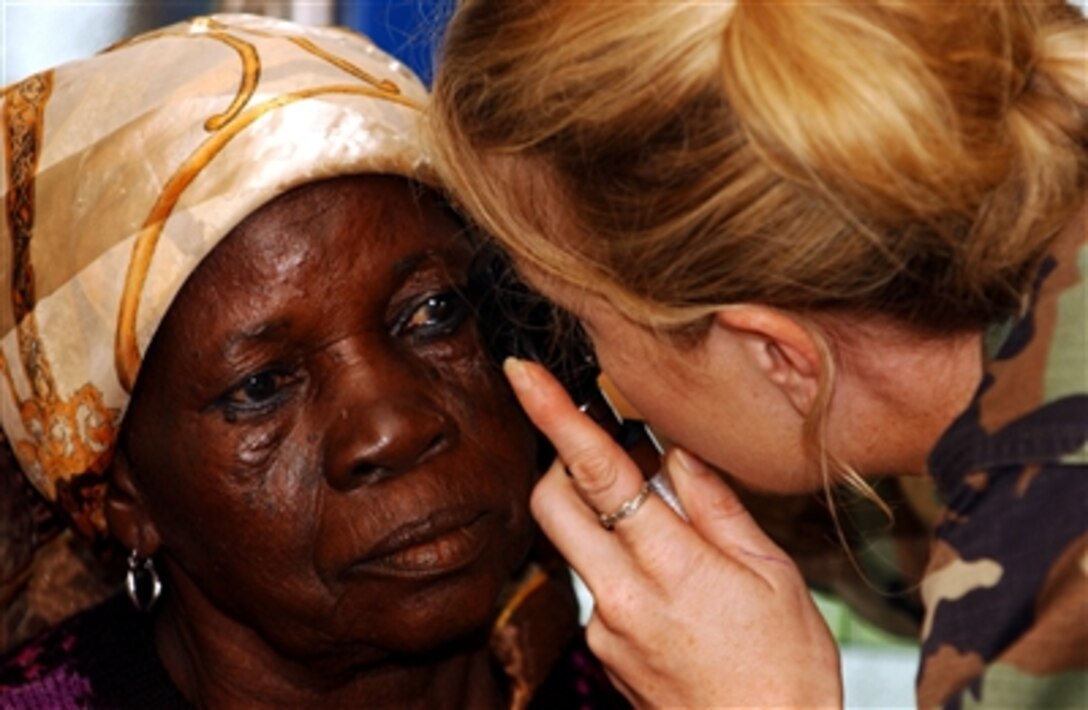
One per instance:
[(383, 431), (381, 415)]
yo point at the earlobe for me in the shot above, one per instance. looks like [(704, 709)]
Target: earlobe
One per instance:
[(780, 346), (126, 513)]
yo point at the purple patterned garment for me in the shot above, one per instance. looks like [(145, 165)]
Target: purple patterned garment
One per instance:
[(101, 658), (106, 658)]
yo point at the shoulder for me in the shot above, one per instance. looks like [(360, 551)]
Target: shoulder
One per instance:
[(1007, 574)]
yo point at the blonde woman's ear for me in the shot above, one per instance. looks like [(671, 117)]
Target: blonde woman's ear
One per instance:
[(126, 513), (778, 347)]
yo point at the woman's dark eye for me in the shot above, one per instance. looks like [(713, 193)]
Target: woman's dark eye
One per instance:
[(436, 315), (259, 389)]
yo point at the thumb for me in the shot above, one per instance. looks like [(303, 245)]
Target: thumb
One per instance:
[(715, 510)]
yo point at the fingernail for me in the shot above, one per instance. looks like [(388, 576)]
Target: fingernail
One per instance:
[(517, 373), (686, 464)]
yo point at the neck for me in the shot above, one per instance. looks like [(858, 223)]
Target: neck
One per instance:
[(902, 390), (217, 662)]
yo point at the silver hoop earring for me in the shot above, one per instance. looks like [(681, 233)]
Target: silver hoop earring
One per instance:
[(142, 574)]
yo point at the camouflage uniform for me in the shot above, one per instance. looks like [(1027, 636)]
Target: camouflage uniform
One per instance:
[(1006, 590)]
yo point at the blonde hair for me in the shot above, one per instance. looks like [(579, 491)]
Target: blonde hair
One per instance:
[(903, 159)]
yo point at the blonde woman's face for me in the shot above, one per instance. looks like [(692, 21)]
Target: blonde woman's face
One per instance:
[(708, 398)]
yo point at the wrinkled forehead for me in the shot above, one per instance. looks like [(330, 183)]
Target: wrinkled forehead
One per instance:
[(121, 172), (333, 254), (363, 228)]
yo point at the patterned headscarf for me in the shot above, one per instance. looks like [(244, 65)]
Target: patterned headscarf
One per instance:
[(121, 172)]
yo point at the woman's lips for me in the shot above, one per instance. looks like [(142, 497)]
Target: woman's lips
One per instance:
[(439, 544)]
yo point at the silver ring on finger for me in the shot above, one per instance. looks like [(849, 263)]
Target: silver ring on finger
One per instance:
[(628, 508)]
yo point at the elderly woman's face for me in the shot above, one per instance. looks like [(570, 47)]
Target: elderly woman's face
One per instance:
[(318, 437)]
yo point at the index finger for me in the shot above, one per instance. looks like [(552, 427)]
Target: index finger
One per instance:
[(603, 472)]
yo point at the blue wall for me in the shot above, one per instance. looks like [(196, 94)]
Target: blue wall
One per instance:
[(408, 29)]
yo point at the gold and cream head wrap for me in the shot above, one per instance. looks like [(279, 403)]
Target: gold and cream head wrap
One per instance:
[(121, 172)]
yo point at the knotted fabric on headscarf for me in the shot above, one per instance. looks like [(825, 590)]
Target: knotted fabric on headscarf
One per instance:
[(119, 173)]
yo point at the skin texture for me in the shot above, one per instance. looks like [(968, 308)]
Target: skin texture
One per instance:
[(332, 475), (738, 398)]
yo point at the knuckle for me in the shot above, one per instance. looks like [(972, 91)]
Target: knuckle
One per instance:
[(595, 472), (619, 606), (666, 564)]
